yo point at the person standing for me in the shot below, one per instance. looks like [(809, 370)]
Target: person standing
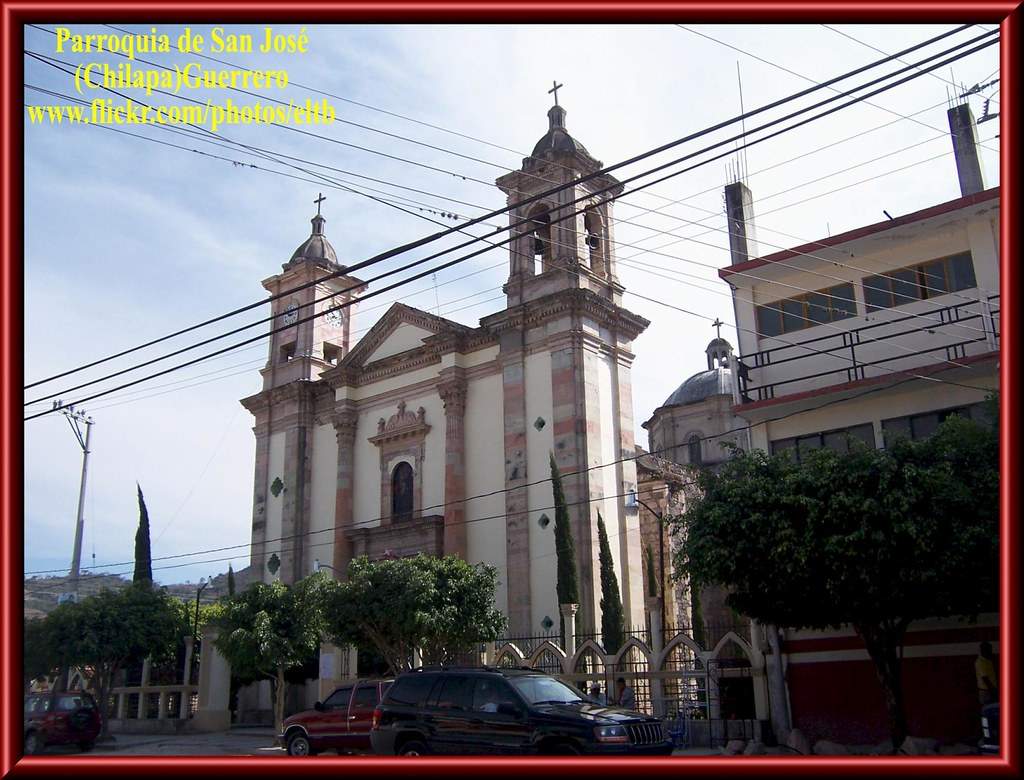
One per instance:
[(596, 695), (985, 673), (625, 696)]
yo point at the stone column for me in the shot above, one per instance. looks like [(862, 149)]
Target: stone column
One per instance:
[(452, 390), (517, 530), (569, 622), (345, 420), (146, 668), (213, 713), (186, 673)]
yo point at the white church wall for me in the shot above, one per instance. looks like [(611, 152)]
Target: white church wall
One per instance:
[(485, 473), (275, 504), (607, 478), (404, 337), (434, 451), (539, 444), (366, 468), (322, 500)]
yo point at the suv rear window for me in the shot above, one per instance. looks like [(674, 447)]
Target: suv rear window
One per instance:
[(411, 690), (366, 696)]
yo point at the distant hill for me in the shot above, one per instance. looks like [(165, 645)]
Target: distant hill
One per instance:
[(41, 593)]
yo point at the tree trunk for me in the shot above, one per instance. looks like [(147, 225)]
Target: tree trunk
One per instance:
[(883, 642), (103, 683), (279, 692), (778, 701)]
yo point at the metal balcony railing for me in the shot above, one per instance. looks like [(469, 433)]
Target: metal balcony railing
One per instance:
[(879, 348)]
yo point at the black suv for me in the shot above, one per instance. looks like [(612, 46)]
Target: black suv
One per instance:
[(505, 711)]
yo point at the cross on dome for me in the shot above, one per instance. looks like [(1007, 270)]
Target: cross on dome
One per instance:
[(555, 86)]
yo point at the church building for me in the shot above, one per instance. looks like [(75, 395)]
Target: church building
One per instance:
[(432, 436)]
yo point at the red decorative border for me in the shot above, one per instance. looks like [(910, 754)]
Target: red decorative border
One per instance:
[(14, 14)]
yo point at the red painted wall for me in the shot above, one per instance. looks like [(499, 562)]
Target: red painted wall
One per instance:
[(842, 700)]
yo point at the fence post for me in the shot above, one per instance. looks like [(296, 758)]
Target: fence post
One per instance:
[(569, 622), (489, 648), (162, 706), (122, 699), (654, 609), (146, 668)]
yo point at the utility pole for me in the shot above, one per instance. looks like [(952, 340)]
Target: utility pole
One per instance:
[(76, 419)]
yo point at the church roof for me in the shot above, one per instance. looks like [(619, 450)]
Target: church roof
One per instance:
[(315, 249), (714, 381)]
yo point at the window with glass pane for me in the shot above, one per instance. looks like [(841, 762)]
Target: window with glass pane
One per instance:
[(793, 316), (877, 293), (782, 445), (769, 320), (842, 302), (897, 426), (818, 308), (962, 271), (904, 286), (933, 278), (866, 433), (924, 425)]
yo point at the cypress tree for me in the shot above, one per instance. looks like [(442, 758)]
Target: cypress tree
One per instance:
[(143, 556), (612, 626), (567, 582), (231, 581)]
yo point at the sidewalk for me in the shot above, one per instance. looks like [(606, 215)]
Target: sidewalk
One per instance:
[(237, 742)]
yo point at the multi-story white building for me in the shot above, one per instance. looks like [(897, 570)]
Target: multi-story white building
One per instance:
[(888, 327)]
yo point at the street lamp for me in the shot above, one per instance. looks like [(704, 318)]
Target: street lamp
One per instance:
[(661, 555), (203, 582)]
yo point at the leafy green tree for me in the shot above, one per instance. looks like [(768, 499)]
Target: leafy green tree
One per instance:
[(873, 539), (43, 656), (442, 606), (143, 555), (269, 630), (567, 577), (613, 630), (231, 581), (104, 633)]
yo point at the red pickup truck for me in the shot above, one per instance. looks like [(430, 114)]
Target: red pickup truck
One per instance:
[(341, 722)]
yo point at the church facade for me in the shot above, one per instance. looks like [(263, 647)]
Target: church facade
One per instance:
[(432, 436)]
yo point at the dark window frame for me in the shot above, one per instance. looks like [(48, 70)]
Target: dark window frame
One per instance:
[(954, 279), (839, 304), (792, 443)]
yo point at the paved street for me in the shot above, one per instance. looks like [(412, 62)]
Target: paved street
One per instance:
[(237, 742)]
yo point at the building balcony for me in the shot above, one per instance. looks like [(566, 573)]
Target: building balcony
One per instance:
[(894, 345)]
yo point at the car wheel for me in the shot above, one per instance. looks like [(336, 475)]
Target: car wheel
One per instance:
[(33, 743), (298, 745), (413, 748), (86, 745)]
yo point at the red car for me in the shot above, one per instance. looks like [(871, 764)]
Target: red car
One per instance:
[(61, 719), (342, 722)]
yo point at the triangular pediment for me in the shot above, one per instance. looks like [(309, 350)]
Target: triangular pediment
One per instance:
[(401, 329)]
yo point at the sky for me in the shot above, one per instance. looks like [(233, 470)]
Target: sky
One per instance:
[(127, 239)]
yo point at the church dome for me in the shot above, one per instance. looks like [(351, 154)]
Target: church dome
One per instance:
[(315, 249), (715, 381), (557, 139)]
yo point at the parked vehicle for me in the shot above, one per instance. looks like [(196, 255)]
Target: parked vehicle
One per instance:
[(60, 719), (505, 711), (341, 722), (989, 729)]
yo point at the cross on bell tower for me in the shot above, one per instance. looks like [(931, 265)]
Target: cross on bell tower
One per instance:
[(555, 86), (318, 200), (717, 325)]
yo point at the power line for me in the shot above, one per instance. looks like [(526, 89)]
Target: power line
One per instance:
[(501, 243), (420, 242), (805, 318), (373, 521), (801, 75)]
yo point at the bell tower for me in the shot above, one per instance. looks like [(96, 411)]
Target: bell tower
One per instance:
[(315, 321), (555, 247), (565, 352)]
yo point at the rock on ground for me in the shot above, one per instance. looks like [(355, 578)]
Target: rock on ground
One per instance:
[(824, 747), (754, 748), (798, 741), (734, 747), (919, 746)]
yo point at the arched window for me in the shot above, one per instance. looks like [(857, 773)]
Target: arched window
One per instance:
[(402, 492), (693, 445), (595, 235), (540, 237)]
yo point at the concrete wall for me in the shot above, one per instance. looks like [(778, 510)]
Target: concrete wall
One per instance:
[(322, 503), (484, 474), (275, 504)]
